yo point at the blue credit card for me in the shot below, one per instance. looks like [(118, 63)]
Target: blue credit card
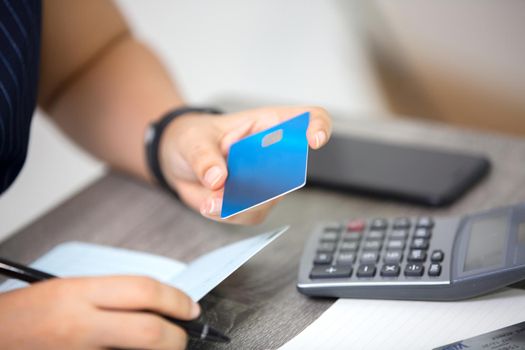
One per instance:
[(266, 165)]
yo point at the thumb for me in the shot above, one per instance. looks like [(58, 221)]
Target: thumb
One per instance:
[(207, 162)]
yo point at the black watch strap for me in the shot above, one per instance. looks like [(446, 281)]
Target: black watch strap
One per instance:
[(154, 135)]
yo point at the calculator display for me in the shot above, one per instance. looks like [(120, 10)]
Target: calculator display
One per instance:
[(486, 242)]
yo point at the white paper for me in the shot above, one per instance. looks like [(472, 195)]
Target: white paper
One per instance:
[(206, 272), (196, 278), (409, 325)]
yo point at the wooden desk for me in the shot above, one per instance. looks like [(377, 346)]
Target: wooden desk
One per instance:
[(258, 305)]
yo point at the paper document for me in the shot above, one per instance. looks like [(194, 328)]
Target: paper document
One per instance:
[(197, 278), (508, 338), (409, 325), (206, 272)]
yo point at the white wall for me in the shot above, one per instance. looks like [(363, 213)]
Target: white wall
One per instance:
[(289, 51), (465, 58), (54, 170)]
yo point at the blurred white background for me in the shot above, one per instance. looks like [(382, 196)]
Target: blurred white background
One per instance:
[(449, 60)]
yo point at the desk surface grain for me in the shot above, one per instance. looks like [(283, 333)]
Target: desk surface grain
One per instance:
[(258, 306)]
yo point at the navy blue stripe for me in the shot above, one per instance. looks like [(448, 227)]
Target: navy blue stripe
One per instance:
[(13, 44), (20, 30), (12, 116), (10, 70), (7, 117), (17, 20)]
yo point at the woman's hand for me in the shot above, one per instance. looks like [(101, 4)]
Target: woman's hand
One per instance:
[(194, 147), (94, 313)]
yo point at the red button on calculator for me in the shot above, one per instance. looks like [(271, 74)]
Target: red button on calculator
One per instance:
[(356, 225)]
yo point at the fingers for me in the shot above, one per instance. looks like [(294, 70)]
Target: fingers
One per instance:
[(191, 151), (137, 330), (253, 216), (192, 193), (140, 293), (213, 205), (206, 159), (319, 129), (236, 133)]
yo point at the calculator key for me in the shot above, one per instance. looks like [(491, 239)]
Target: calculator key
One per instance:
[(399, 234), (437, 256), (356, 225), (331, 272), (351, 236), (414, 270), (419, 243), (434, 270), (425, 222), (323, 259), (372, 245), (332, 227), (326, 247), (375, 235), (402, 223), (346, 258), (352, 246), (379, 224), (395, 244), (366, 270), (329, 237), (393, 257), (369, 257), (422, 233), (417, 255), (390, 270)]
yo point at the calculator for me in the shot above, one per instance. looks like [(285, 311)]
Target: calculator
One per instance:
[(424, 258)]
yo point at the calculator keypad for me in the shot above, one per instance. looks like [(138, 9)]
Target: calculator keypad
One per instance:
[(356, 225), (417, 255), (414, 270), (369, 257), (331, 271), (395, 244), (390, 270), (323, 259), (366, 270), (437, 256), (349, 246), (346, 258), (393, 257), (434, 269), (372, 245), (329, 237), (378, 248)]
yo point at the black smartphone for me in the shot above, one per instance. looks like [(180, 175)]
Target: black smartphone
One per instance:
[(417, 174)]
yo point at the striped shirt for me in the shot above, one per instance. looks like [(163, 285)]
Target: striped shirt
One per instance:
[(20, 27)]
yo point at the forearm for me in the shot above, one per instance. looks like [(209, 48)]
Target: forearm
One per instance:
[(108, 107)]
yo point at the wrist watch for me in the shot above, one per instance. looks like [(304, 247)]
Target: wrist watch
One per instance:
[(153, 137)]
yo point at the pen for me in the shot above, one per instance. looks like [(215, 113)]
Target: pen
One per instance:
[(194, 329)]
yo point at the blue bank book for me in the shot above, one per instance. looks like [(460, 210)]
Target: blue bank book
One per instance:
[(196, 278)]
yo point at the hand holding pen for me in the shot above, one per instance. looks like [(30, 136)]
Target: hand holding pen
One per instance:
[(97, 312)]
